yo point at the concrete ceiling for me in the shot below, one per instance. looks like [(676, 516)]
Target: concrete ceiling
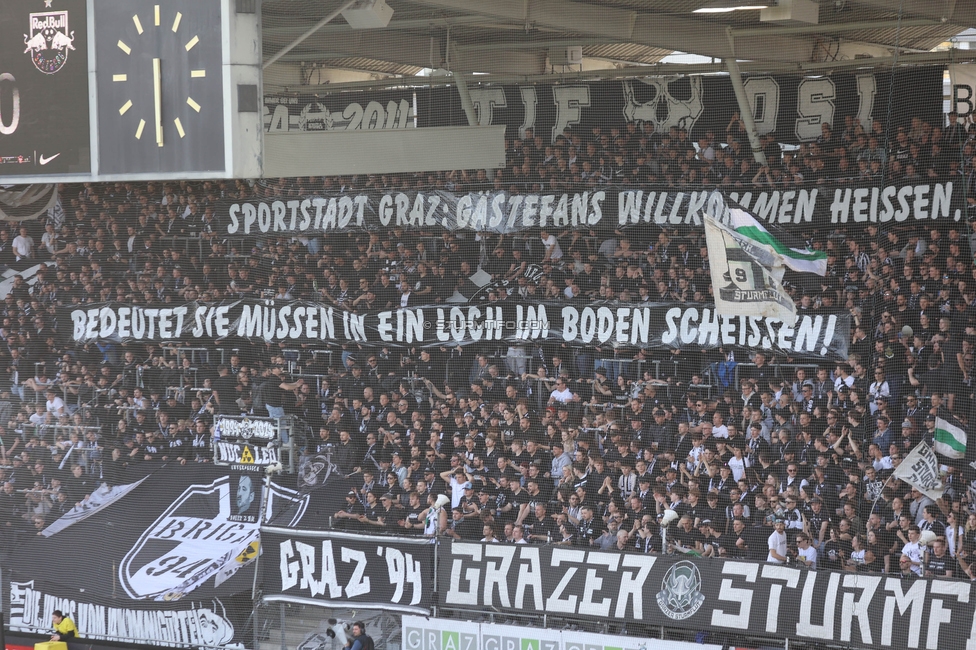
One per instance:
[(512, 39)]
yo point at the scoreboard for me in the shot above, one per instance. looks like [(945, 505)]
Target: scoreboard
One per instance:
[(106, 90)]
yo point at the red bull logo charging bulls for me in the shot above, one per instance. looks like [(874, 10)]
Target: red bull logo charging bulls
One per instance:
[(49, 40)]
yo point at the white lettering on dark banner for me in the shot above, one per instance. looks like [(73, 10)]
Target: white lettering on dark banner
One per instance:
[(499, 211), (816, 206), (789, 107), (706, 328), (313, 571), (481, 211), (194, 624), (618, 324), (232, 453), (245, 428), (860, 610), (492, 586)]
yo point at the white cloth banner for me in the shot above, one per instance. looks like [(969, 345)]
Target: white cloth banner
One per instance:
[(920, 469), (101, 498), (743, 286)]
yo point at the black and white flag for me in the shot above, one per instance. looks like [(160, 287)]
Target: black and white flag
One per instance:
[(920, 469)]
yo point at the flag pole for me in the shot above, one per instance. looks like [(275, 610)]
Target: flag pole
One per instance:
[(880, 492)]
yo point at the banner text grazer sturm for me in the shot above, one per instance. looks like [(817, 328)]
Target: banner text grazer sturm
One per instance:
[(332, 569), (613, 324), (801, 208), (860, 610), (791, 107)]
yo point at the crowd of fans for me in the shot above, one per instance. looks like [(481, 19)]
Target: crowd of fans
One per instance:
[(760, 457)]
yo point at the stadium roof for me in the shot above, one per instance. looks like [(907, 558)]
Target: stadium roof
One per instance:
[(513, 39)]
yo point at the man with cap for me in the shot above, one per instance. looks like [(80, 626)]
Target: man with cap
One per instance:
[(560, 459), (470, 504), (817, 522), (348, 517), (929, 435), (388, 512), (777, 543)]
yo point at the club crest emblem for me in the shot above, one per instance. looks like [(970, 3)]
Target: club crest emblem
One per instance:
[(680, 596), (197, 538), (49, 40)]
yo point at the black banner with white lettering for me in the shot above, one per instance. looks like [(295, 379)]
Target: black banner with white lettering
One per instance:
[(611, 324), (801, 208), (171, 561), (345, 570), (791, 108), (851, 609), (245, 444), (214, 622)]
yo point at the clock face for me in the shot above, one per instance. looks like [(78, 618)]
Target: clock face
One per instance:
[(160, 86)]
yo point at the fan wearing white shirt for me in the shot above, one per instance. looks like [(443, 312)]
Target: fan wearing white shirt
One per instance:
[(879, 388), (806, 554), (553, 252), (912, 549), (719, 430), (55, 404), (23, 245), (777, 544), (561, 393)]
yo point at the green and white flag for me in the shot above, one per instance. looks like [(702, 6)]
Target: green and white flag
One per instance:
[(772, 246), (950, 440), (743, 285)]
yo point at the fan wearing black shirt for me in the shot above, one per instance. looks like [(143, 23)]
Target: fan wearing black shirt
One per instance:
[(411, 521), (817, 522), (684, 536), (542, 527), (712, 511), (348, 516), (711, 540), (225, 390), (519, 499), (930, 521), (737, 540), (590, 528), (940, 564)]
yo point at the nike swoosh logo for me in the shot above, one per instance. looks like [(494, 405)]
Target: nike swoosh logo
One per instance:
[(45, 161)]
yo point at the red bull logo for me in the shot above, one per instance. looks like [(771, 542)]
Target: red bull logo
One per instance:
[(49, 40), (53, 21)]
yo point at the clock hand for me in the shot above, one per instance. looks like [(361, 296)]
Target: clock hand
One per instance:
[(158, 100)]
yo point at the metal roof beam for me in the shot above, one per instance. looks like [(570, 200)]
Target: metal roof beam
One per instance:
[(656, 30), (632, 72), (831, 28), (420, 51), (954, 12), (285, 32)]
